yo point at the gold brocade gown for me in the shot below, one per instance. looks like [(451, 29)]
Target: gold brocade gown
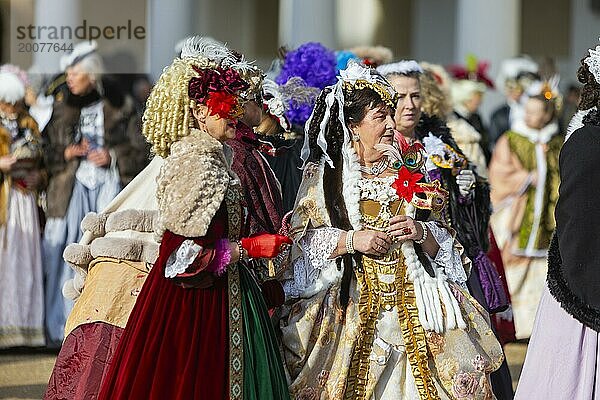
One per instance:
[(386, 300), (376, 348)]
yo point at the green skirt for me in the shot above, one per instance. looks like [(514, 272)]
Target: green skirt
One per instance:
[(264, 377)]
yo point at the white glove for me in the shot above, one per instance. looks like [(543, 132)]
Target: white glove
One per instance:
[(465, 181)]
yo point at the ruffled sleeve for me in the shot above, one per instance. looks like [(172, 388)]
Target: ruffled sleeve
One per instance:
[(189, 261), (448, 257), (313, 270)]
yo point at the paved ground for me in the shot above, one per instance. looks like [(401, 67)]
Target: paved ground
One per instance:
[(24, 373)]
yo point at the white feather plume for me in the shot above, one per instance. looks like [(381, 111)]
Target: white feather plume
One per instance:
[(207, 47)]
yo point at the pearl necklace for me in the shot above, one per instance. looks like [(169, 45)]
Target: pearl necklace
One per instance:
[(377, 168)]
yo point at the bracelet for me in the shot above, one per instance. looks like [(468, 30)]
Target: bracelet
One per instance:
[(350, 242), (241, 250), (424, 237)]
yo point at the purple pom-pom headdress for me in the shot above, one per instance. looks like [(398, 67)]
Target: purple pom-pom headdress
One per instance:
[(316, 65)]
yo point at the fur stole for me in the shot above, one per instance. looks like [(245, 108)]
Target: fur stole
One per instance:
[(192, 184)]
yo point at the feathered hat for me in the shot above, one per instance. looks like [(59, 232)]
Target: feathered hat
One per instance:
[(517, 72), (469, 79), (373, 56), (473, 70), (80, 51)]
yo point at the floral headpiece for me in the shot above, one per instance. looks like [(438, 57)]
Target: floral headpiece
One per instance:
[(206, 72), (221, 56), (355, 77), (218, 89), (593, 62)]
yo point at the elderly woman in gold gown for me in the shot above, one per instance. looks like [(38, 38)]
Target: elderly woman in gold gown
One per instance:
[(377, 306)]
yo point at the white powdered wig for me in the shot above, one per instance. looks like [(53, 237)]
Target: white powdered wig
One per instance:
[(12, 88)]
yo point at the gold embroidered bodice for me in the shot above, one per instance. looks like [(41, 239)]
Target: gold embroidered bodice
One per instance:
[(383, 285)]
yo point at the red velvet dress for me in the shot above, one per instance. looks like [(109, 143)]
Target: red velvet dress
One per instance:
[(175, 344)]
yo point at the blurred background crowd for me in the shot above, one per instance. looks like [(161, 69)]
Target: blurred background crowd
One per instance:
[(498, 73)]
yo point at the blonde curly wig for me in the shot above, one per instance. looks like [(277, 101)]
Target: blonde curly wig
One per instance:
[(168, 116)]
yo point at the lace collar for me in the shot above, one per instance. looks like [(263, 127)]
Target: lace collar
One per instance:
[(378, 189)]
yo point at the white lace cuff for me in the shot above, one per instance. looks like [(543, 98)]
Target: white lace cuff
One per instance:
[(180, 259), (447, 256), (314, 270)]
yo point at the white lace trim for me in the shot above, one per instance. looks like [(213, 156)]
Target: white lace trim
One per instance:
[(181, 258), (314, 270), (378, 189), (593, 62), (447, 256), (577, 122)]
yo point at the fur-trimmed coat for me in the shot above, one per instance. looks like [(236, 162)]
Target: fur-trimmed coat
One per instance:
[(573, 274), (121, 134)]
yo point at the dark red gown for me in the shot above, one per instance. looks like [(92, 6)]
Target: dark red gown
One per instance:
[(176, 343)]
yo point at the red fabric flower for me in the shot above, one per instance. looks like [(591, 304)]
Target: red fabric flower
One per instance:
[(221, 104), (406, 184), (214, 80)]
